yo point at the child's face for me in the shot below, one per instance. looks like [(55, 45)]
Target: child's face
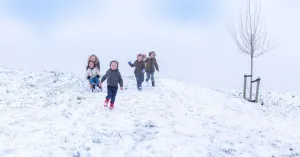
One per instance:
[(113, 65), (91, 65), (93, 58), (139, 58), (152, 55)]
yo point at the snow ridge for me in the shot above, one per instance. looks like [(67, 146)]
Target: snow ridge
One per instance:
[(56, 114)]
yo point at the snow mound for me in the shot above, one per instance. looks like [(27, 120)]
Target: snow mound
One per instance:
[(56, 114)]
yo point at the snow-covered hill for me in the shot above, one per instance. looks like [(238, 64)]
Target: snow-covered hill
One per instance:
[(55, 114)]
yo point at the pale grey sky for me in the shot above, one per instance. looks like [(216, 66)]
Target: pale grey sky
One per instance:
[(191, 45)]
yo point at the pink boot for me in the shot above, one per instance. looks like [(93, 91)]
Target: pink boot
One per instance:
[(106, 102), (111, 107)]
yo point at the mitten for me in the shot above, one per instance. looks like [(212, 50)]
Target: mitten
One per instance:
[(97, 76), (88, 77), (100, 86), (130, 63)]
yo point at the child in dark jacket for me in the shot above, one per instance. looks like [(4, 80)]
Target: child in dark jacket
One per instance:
[(139, 70), (114, 78), (151, 65)]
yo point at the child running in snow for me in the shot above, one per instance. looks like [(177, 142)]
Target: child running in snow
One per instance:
[(151, 65), (95, 59), (93, 75), (114, 78), (139, 70)]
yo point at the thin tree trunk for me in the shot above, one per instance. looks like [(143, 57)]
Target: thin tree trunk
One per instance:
[(250, 97)]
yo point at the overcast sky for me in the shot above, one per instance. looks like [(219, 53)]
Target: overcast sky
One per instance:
[(190, 38)]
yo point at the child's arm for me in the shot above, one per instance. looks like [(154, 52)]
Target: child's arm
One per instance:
[(87, 74), (98, 74), (143, 67), (120, 79), (156, 66), (130, 64), (104, 77)]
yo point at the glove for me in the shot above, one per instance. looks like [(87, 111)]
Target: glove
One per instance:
[(97, 76), (143, 70), (88, 77), (130, 63)]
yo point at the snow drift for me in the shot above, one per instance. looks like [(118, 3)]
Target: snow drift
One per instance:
[(55, 114)]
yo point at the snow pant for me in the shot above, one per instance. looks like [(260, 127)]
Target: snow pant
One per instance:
[(139, 80), (112, 93), (150, 75), (94, 80)]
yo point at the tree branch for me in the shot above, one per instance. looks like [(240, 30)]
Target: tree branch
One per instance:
[(252, 36)]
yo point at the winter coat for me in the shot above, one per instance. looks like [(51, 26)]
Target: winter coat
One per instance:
[(151, 65), (113, 78), (92, 72), (139, 67)]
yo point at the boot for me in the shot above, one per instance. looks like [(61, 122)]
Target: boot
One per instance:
[(153, 84), (111, 107), (93, 87), (106, 102)]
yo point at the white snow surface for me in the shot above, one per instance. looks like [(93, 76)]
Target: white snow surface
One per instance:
[(54, 114)]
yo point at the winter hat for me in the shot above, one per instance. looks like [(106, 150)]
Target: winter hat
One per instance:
[(115, 62), (151, 53), (139, 55)]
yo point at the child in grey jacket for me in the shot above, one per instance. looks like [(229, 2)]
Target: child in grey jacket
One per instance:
[(114, 78)]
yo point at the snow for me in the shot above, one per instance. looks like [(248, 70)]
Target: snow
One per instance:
[(56, 114)]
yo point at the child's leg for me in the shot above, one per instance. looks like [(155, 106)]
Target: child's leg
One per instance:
[(109, 92), (114, 94), (97, 81), (92, 81), (148, 76), (137, 80), (141, 80), (152, 77)]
